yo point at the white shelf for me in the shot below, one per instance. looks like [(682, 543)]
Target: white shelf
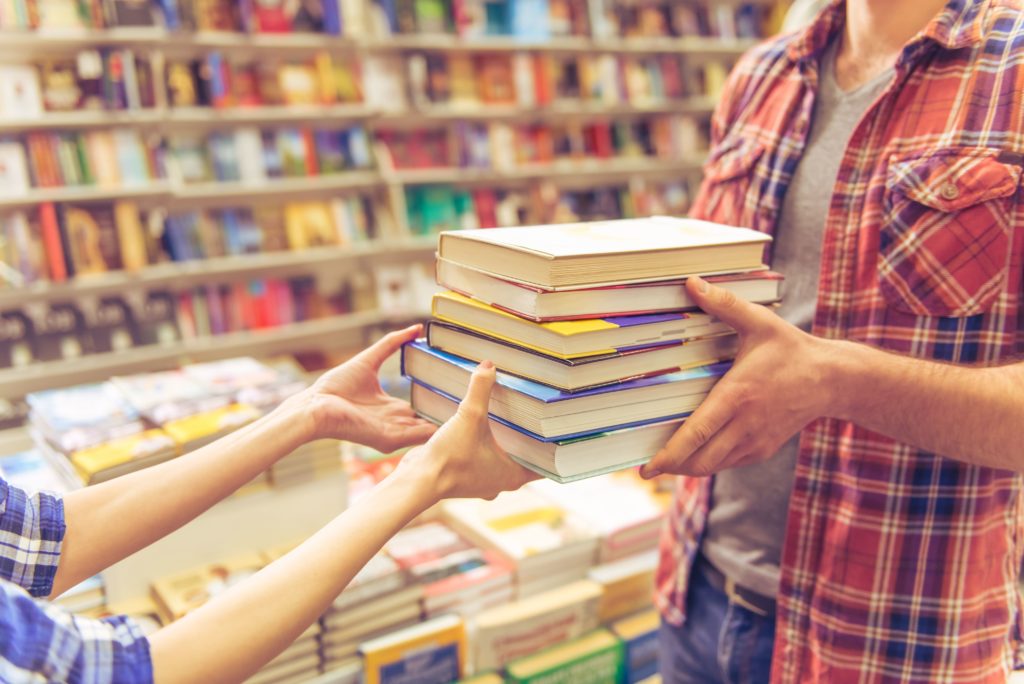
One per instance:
[(197, 117), (31, 43), (208, 117), (334, 332), (84, 119), (586, 173), (217, 193), (222, 269), (86, 193)]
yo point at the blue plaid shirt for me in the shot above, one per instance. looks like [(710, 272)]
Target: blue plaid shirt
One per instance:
[(38, 641)]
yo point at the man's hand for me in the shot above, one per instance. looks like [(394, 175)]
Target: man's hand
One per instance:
[(463, 459), (347, 402), (774, 389)]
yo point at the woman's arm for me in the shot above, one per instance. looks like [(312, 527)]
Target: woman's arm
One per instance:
[(783, 379), (238, 632), (109, 521)]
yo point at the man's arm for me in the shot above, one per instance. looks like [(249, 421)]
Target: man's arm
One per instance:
[(241, 630), (110, 521), (783, 379)]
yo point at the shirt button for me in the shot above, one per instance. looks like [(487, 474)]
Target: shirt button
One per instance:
[(949, 191)]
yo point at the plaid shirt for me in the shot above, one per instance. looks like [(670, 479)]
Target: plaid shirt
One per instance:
[(899, 565), (40, 642)]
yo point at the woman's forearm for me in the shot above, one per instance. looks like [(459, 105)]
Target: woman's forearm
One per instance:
[(240, 631), (110, 521)]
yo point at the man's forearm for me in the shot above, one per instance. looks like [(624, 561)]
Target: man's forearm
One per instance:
[(110, 521), (238, 632), (970, 414)]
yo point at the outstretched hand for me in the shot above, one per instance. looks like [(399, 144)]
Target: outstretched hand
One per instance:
[(348, 403), (774, 389), (463, 459)]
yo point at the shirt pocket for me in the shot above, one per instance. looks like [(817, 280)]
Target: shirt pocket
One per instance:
[(944, 243), (731, 188)]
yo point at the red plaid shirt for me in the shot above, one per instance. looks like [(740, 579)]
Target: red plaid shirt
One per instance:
[(899, 565)]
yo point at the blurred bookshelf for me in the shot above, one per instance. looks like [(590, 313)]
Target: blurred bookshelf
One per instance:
[(217, 141)]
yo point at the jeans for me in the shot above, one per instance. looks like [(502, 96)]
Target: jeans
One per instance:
[(720, 642)]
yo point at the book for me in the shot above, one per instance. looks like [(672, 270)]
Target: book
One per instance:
[(20, 92), (14, 173), (551, 413), (580, 337), (592, 659), (627, 585), (433, 652), (521, 628), (563, 460), (75, 418), (29, 470), (606, 252), (639, 636), (634, 528), (167, 395), (192, 432), (584, 372), (547, 545), (124, 455), (180, 594)]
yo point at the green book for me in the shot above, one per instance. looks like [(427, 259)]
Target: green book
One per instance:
[(592, 659)]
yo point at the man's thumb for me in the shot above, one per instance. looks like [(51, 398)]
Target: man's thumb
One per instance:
[(724, 305)]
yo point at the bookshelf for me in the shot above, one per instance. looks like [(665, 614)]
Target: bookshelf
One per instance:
[(341, 331), (655, 127)]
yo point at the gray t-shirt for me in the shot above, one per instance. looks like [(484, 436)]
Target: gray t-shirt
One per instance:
[(747, 522)]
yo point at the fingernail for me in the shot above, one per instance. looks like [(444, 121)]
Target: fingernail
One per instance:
[(647, 473), (486, 365), (702, 285)]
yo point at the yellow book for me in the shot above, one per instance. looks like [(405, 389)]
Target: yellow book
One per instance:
[(327, 90), (639, 635), (487, 678), (309, 224), (204, 427), (576, 338), (123, 455), (434, 650)]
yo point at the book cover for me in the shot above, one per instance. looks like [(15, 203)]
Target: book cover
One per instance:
[(604, 251), (92, 462), (20, 92), (560, 335), (14, 174), (521, 628), (183, 593), (592, 659), (129, 13), (432, 652), (639, 635)]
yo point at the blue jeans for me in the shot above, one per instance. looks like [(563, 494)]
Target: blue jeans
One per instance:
[(720, 642)]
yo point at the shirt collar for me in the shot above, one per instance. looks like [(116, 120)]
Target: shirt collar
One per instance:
[(958, 25)]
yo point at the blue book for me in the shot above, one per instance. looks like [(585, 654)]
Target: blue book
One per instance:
[(332, 17), (531, 20), (546, 413)]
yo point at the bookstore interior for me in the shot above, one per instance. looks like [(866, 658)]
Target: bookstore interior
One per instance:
[(206, 203)]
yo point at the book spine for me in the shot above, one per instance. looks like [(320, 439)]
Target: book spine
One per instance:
[(332, 17), (52, 243)]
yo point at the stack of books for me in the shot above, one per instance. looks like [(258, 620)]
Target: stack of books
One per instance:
[(456, 576), (379, 600), (631, 527), (547, 545), (92, 433), (599, 352)]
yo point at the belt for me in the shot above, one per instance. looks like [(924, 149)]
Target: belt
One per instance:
[(747, 598)]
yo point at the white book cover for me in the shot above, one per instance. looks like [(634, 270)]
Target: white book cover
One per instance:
[(14, 178), (20, 94), (623, 236)]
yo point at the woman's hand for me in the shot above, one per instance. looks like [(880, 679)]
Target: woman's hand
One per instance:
[(462, 459), (348, 403)]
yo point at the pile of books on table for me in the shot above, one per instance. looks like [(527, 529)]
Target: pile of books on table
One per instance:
[(95, 432), (600, 352)]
